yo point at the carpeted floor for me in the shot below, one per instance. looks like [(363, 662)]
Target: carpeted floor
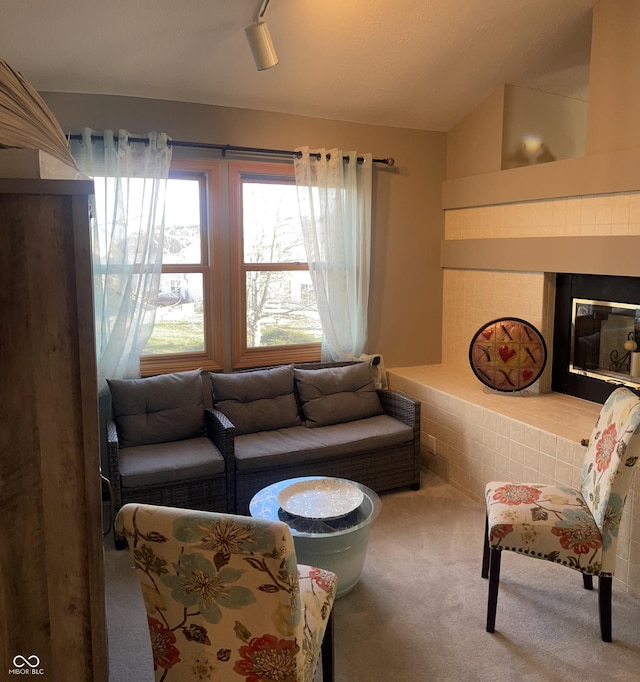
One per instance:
[(418, 612)]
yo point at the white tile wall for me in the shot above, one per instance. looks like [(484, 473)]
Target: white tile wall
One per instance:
[(607, 214), (471, 298)]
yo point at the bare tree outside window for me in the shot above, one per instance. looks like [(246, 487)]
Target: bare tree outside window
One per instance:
[(280, 305), (179, 325)]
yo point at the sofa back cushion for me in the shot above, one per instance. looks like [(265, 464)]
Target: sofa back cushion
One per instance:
[(259, 400), (337, 394), (158, 409)]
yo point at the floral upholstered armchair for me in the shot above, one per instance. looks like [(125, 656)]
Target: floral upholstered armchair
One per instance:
[(575, 528), (225, 598)]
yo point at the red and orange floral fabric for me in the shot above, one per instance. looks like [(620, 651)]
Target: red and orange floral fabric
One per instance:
[(225, 598), (577, 528)]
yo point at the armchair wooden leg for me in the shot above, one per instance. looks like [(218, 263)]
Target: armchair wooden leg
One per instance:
[(485, 551), (327, 651), (588, 581), (604, 604), (494, 581)]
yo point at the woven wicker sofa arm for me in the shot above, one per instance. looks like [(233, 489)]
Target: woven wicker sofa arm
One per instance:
[(113, 457), (113, 447), (401, 407), (221, 431)]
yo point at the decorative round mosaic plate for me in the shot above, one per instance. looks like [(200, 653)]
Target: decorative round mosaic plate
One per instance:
[(508, 354), (322, 498)]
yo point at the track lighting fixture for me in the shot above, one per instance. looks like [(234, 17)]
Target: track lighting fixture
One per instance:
[(259, 38)]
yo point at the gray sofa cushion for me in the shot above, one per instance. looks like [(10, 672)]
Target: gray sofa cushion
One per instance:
[(259, 400), (298, 445), (337, 394), (183, 460), (158, 409)]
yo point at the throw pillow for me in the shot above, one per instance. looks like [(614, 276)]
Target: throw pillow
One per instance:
[(258, 400), (158, 409), (337, 394)]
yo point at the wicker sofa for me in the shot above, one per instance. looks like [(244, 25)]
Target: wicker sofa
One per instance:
[(312, 419)]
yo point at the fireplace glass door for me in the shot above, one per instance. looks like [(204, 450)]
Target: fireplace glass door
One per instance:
[(604, 336)]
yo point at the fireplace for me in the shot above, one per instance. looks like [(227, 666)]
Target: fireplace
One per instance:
[(596, 326)]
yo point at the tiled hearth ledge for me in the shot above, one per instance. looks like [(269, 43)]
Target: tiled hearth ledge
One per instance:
[(483, 436)]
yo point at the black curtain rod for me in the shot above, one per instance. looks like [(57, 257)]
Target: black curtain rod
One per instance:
[(224, 148)]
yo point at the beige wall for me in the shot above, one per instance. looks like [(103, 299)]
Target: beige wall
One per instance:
[(614, 95), (474, 146), (408, 223), (612, 115), (560, 122), (579, 214)]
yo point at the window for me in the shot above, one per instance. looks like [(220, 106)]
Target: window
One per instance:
[(236, 292), (275, 313), (179, 325), (185, 333)]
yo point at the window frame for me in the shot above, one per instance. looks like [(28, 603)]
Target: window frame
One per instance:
[(210, 220), (224, 272), (243, 356)]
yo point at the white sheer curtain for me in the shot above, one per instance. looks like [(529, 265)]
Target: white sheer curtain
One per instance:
[(334, 196), (128, 232)]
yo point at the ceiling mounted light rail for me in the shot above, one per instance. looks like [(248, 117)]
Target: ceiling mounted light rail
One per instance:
[(259, 38)]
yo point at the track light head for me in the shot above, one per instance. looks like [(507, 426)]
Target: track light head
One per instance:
[(259, 38)]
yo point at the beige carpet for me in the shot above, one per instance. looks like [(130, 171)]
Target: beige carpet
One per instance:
[(418, 612)]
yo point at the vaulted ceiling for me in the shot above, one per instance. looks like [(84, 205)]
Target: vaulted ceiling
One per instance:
[(410, 63)]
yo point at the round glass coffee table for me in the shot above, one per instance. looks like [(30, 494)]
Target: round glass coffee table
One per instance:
[(329, 520)]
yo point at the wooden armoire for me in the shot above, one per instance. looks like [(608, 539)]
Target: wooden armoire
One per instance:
[(52, 603)]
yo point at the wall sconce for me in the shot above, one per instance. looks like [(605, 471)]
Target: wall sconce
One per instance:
[(259, 38), (531, 144), (535, 150)]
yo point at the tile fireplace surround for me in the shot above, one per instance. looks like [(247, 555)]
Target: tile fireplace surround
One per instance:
[(482, 436)]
